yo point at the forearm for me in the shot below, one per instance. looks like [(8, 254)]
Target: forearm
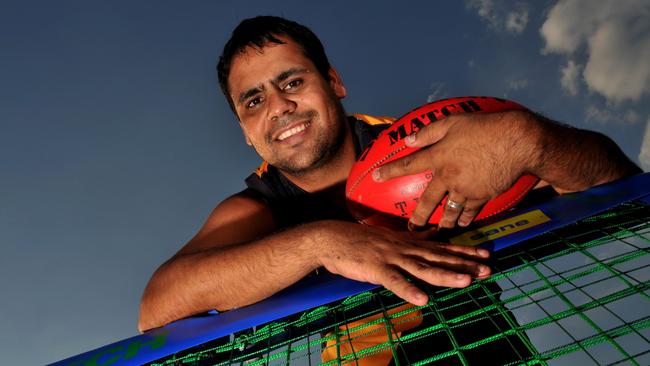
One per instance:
[(571, 159), (227, 277)]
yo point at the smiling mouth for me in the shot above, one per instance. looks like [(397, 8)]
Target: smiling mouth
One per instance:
[(294, 130)]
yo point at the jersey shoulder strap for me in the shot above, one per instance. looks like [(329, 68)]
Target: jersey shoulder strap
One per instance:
[(374, 120)]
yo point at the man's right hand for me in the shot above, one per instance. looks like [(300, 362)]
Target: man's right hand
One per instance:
[(231, 263), (379, 256)]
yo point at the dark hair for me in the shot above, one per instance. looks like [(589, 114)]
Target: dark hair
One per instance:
[(257, 32)]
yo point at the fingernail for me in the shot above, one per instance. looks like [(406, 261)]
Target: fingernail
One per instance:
[(483, 252), (420, 297), (410, 139), (461, 276), (463, 223), (376, 175), (415, 227), (446, 224), (482, 270)]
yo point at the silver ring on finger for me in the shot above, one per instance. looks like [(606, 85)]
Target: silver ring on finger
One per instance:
[(455, 205)]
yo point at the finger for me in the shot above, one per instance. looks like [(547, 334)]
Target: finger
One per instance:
[(395, 281), (427, 202), (451, 261), (417, 162), (434, 275), (453, 207), (420, 232), (471, 209), (465, 250), (429, 135)]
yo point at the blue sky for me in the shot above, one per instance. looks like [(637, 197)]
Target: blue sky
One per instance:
[(116, 142)]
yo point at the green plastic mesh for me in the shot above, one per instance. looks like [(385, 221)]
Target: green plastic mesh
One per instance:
[(574, 296)]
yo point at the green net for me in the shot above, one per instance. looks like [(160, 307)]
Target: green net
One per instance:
[(574, 296)]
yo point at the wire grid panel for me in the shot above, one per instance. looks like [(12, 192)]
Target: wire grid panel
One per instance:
[(574, 296)]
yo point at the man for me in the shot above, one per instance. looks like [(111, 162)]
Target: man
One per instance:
[(292, 218)]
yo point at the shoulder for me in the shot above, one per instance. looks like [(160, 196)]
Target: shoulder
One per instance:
[(245, 205), (242, 217)]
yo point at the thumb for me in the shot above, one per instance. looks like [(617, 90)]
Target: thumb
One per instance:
[(429, 134)]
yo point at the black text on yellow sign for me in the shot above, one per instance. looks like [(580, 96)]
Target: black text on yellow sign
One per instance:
[(501, 228)]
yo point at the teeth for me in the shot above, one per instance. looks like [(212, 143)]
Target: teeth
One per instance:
[(293, 131)]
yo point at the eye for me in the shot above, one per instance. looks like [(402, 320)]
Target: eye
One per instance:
[(254, 102), (293, 84)]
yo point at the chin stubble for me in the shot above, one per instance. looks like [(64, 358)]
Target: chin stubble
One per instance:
[(324, 151)]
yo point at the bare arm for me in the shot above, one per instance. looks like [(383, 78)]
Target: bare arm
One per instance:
[(572, 159), (475, 157), (224, 266), (235, 260)]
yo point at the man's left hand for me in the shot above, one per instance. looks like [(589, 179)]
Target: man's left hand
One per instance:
[(472, 157)]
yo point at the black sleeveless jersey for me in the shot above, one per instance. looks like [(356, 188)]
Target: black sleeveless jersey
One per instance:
[(290, 204)]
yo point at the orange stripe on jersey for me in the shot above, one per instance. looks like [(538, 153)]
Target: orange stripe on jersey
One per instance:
[(374, 120), (263, 168)]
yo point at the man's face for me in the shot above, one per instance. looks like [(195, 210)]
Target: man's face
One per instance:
[(287, 110)]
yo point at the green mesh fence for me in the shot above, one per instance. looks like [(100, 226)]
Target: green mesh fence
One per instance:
[(574, 296)]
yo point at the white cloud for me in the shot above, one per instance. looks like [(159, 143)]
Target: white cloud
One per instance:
[(644, 154), (614, 38), (569, 79), (619, 63), (517, 20), (438, 92), (631, 117), (517, 84), (604, 115), (485, 9), (500, 16)]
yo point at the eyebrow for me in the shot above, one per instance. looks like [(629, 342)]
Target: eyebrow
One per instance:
[(281, 77), (249, 93), (288, 73)]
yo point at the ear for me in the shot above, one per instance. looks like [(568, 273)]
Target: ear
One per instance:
[(336, 83)]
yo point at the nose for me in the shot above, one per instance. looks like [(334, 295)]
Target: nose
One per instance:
[(279, 105)]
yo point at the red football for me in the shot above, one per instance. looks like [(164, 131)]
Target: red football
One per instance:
[(391, 203)]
